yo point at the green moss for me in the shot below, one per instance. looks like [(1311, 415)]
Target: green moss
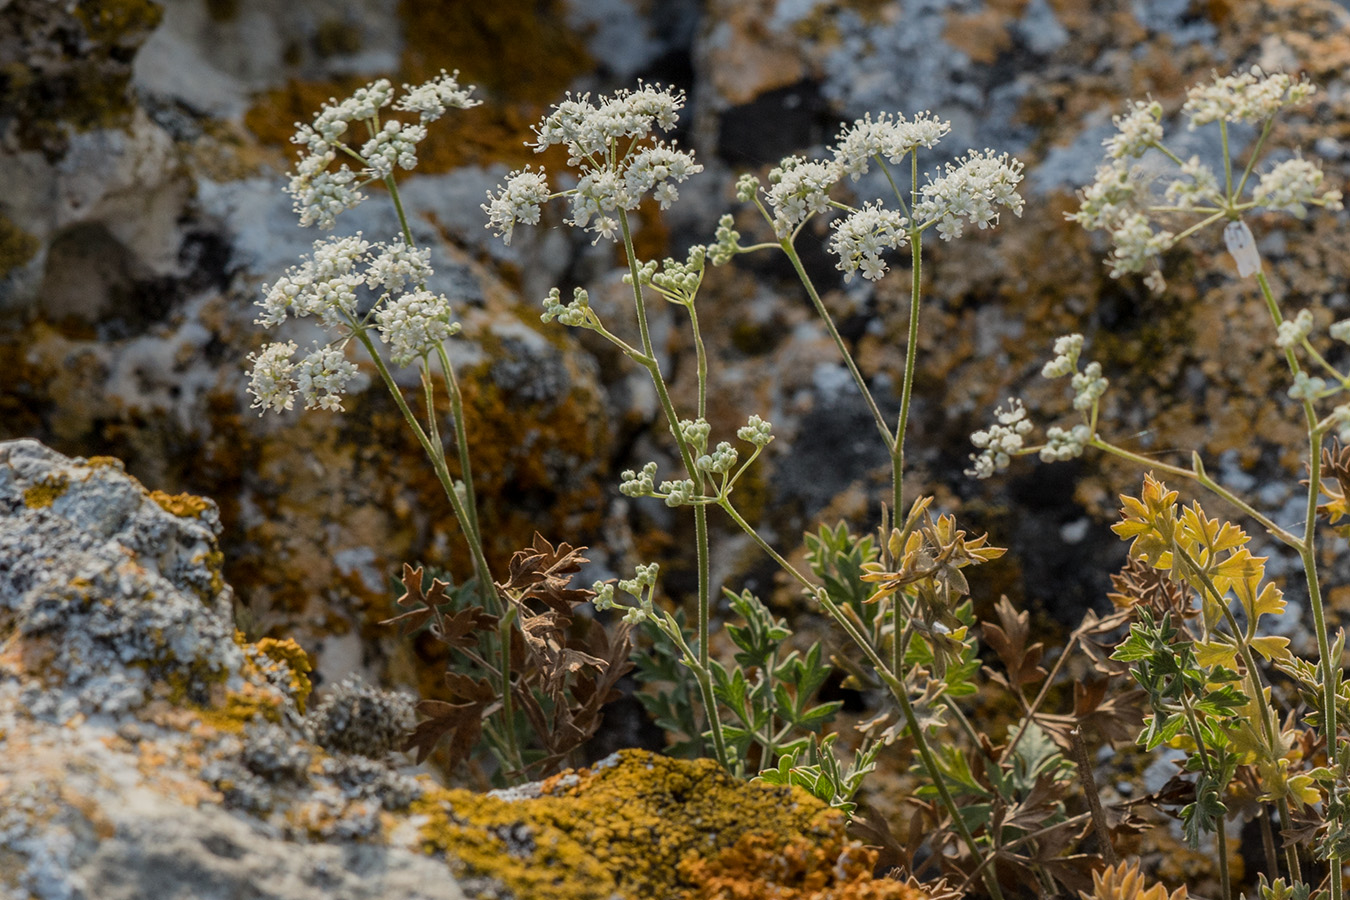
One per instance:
[(45, 492)]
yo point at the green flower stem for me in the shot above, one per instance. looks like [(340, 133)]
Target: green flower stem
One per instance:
[(1307, 551), (791, 252), (1331, 370), (703, 675), (1198, 475), (907, 388), (461, 442), (893, 681), (1221, 834), (436, 455), (398, 208), (687, 457)]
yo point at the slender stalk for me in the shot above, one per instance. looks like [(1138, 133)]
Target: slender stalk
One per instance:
[(825, 316), (1221, 833), (894, 683)]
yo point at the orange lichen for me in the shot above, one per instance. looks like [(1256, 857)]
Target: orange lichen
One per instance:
[(186, 506), (650, 826), (289, 653)]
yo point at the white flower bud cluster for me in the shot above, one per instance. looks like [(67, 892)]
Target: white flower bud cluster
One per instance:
[(800, 188), (756, 431), (1250, 97), (1067, 350), (682, 279), (576, 314), (695, 433), (678, 493), (604, 141), (639, 586), (720, 462), (397, 265), (969, 191), (1340, 331), (323, 286), (638, 484), (1292, 186), (889, 137), (998, 442), (431, 99), (727, 239), (1136, 131), (1088, 387), (1307, 387), (1063, 444), (412, 325), (860, 238), (1293, 332)]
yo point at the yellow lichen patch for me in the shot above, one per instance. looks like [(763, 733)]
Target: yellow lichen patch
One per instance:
[(240, 708), (650, 826), (289, 653), (186, 506), (45, 492)]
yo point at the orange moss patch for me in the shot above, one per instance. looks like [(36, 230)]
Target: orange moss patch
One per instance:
[(45, 492), (650, 826)]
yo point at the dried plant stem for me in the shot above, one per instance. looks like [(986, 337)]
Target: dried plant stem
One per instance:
[(1094, 800)]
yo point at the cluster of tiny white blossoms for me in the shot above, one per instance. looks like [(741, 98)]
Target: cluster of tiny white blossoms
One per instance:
[(1121, 202), (319, 191), (609, 142), (1295, 331), (860, 238), (1088, 385), (798, 189), (348, 283), (969, 191), (889, 137), (998, 442)]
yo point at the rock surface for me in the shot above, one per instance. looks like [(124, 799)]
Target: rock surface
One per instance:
[(148, 750), (133, 245)]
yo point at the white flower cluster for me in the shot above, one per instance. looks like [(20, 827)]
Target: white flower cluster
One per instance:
[(1340, 421), (1293, 332), (800, 188), (1121, 198), (1251, 96), (413, 324), (639, 586), (1137, 131), (678, 493), (320, 193), (969, 191), (727, 240), (1292, 186), (1340, 331), (1088, 387), (888, 137), (695, 434), (605, 143), (320, 377), (998, 442), (431, 99), (1067, 350), (860, 238), (324, 285), (1062, 444)]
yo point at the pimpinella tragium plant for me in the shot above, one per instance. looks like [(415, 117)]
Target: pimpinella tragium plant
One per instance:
[(526, 675), (1210, 682), (902, 601)]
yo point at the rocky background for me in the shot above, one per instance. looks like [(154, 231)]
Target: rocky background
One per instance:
[(143, 147)]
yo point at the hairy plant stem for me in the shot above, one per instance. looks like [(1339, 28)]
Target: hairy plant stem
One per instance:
[(687, 457), (1220, 833), (791, 252), (894, 682), (1307, 551)]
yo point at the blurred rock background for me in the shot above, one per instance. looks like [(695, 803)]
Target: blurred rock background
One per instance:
[(143, 147)]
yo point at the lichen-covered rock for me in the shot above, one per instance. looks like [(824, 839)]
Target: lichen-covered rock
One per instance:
[(148, 750)]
